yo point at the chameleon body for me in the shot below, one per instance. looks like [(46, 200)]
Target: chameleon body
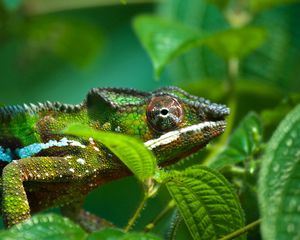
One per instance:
[(42, 168)]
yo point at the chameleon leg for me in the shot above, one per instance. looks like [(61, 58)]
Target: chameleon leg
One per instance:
[(88, 221), (15, 205)]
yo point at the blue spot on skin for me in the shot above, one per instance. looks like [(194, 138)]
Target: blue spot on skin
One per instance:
[(35, 148), (5, 155)]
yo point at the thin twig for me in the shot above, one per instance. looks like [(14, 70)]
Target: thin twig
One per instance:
[(137, 213), (163, 213), (241, 231)]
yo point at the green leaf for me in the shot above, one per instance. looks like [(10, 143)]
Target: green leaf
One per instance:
[(46, 226), (107, 234), (129, 150), (140, 236), (244, 143), (237, 42), (164, 40), (117, 234), (206, 201), (278, 191), (260, 5)]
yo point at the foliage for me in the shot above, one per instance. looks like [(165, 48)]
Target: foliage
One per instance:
[(242, 53), (206, 201), (243, 145), (131, 151), (279, 181), (62, 228)]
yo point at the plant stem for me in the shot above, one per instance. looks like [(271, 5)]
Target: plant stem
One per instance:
[(163, 213), (137, 213), (35, 7), (230, 88), (241, 231)]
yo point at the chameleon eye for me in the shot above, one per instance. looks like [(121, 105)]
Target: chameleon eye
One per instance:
[(164, 113)]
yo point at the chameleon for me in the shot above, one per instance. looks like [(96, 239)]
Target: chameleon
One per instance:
[(43, 168)]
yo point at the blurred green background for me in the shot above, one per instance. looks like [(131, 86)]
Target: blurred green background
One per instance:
[(58, 50)]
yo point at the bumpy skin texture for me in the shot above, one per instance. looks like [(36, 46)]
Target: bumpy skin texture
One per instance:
[(42, 168)]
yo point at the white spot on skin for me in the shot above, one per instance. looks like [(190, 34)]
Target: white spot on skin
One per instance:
[(68, 157), (174, 135), (72, 170), (80, 161), (87, 171), (96, 149), (76, 144)]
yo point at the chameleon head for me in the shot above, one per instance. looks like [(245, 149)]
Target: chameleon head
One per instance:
[(186, 124), (172, 123)]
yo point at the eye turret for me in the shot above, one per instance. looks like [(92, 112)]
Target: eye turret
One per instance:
[(164, 113)]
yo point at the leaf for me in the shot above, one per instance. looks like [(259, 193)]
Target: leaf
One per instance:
[(45, 226), (117, 234), (140, 236), (237, 42), (107, 234), (278, 189), (164, 40), (260, 5), (272, 117), (206, 201), (129, 150), (244, 143)]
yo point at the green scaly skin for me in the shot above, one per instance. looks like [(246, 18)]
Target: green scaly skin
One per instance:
[(172, 123)]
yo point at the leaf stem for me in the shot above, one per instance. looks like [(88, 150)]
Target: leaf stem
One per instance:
[(163, 213), (230, 89), (241, 231), (137, 212)]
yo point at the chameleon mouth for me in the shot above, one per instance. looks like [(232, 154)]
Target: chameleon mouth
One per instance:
[(210, 128)]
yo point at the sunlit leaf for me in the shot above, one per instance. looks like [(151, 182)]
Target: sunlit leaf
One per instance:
[(129, 150), (46, 226), (259, 5), (279, 179), (237, 42), (164, 40), (206, 201), (244, 143)]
